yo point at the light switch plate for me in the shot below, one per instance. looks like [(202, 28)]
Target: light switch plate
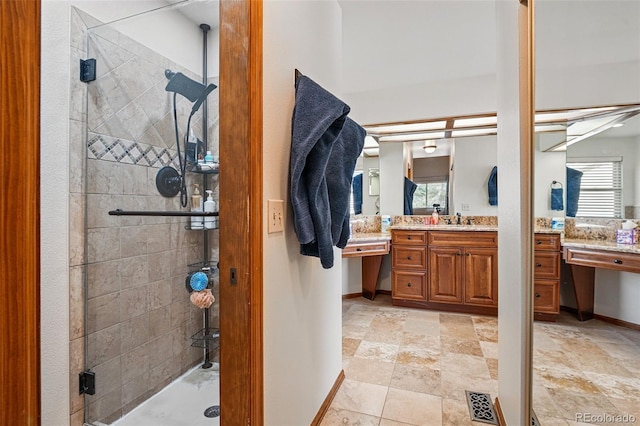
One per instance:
[(275, 216)]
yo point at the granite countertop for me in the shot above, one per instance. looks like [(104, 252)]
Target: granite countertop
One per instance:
[(466, 228), (360, 237), (601, 245), (445, 227)]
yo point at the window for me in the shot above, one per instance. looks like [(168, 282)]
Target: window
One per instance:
[(430, 191), (600, 187)]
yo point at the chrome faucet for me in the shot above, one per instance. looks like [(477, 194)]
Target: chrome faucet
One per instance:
[(459, 220)]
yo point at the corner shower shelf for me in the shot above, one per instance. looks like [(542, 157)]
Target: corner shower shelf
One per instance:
[(207, 340), (194, 169), (212, 265)]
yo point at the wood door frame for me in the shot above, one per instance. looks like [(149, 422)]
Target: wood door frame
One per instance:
[(20, 212), (241, 274)]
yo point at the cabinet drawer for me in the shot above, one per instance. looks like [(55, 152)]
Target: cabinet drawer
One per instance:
[(409, 285), (546, 242), (409, 237), (546, 265), (463, 238), (603, 259), (409, 257), (546, 296), (367, 248)]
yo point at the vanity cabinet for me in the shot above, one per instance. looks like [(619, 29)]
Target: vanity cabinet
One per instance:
[(463, 268), (546, 276), (409, 265), (458, 271), (446, 270)]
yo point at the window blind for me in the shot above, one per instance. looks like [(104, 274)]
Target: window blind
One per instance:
[(600, 188)]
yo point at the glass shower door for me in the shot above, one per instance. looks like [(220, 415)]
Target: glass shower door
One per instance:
[(142, 332)]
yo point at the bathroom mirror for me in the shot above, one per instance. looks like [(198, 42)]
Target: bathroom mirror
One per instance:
[(610, 161), (374, 182)]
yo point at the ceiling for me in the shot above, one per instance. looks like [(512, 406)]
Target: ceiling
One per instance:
[(199, 11)]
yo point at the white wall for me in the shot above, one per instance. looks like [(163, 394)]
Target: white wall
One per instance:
[(474, 159), (54, 214), (392, 168), (368, 201), (549, 166), (617, 295), (302, 301)]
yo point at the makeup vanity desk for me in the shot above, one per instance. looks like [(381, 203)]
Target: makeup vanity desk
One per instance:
[(371, 247), (584, 256)]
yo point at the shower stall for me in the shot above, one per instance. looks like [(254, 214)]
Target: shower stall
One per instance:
[(136, 334)]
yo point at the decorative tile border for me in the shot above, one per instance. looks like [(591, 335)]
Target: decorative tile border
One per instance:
[(108, 148)]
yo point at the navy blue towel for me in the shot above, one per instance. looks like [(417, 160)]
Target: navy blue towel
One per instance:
[(492, 186), (325, 145), (556, 199), (409, 189), (357, 193)]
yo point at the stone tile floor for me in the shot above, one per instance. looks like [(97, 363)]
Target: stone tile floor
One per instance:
[(408, 366)]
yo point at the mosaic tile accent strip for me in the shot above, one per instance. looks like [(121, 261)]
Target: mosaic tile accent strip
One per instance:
[(107, 148), (481, 407)]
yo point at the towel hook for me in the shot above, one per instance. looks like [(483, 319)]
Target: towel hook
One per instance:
[(555, 182), (297, 75)]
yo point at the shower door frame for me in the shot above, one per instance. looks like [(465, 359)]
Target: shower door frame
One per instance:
[(241, 338)]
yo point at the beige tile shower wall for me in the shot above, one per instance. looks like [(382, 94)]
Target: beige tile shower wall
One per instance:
[(127, 289)]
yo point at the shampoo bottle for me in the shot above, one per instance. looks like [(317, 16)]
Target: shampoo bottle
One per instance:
[(196, 206), (209, 207)]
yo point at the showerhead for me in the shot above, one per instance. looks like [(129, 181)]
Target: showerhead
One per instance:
[(190, 89)]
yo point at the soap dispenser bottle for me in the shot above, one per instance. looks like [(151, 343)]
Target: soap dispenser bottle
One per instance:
[(196, 206), (435, 216), (209, 207)]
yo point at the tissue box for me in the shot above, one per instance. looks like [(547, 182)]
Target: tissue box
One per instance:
[(627, 236)]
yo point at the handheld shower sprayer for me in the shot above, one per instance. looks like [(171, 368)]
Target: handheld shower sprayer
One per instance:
[(196, 93)]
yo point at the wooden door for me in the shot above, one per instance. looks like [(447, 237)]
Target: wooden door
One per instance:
[(445, 274), (481, 276)]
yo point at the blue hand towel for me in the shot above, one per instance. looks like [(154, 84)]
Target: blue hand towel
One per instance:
[(409, 189), (357, 193), (492, 186), (556, 199), (574, 178)]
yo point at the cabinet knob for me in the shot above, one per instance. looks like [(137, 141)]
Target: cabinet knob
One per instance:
[(408, 257), (409, 237), (537, 295), (617, 261), (538, 242), (408, 284), (358, 249), (468, 254), (458, 254), (539, 265)]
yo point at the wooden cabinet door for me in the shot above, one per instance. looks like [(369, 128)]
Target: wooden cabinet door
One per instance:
[(481, 276), (445, 274)]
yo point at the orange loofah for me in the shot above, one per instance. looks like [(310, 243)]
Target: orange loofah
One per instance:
[(202, 299)]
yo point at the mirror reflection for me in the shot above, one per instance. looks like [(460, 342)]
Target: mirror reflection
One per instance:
[(610, 167)]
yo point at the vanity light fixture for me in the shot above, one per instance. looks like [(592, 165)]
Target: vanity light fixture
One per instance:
[(429, 146)]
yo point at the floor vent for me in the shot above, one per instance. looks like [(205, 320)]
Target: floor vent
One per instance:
[(481, 407), (213, 411), (534, 419)]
